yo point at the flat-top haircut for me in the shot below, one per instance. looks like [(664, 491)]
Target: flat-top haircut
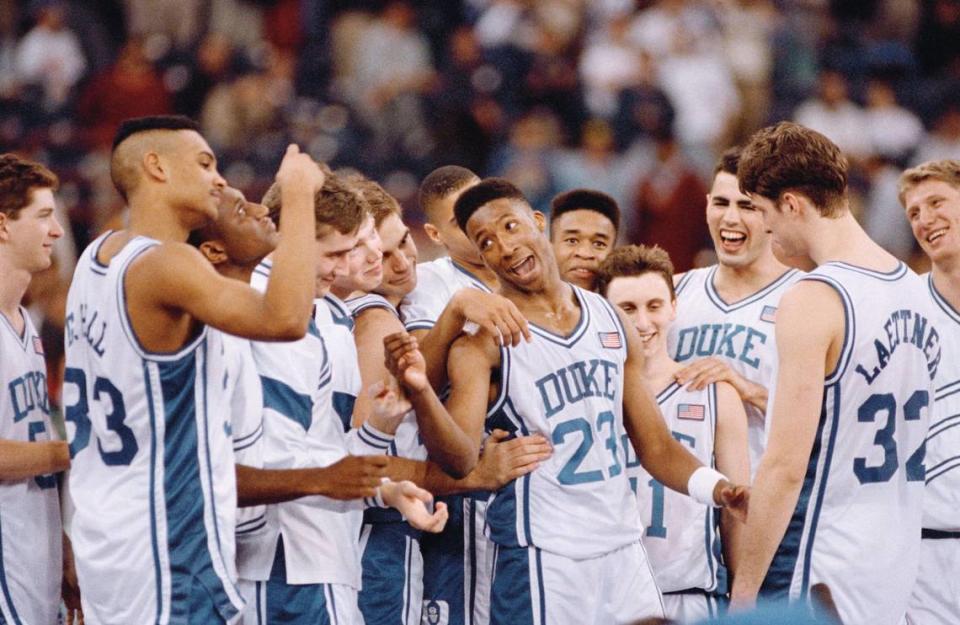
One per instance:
[(635, 260), (585, 199), (728, 161), (125, 158), (947, 171), (19, 177), (440, 183), (486, 191), (791, 157), (335, 205)]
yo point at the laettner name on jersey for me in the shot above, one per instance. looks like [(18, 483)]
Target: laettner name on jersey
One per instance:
[(903, 327), (578, 381), (88, 326)]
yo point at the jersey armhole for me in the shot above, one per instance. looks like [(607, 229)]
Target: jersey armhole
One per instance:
[(849, 326)]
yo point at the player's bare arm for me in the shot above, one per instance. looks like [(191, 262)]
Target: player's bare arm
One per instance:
[(809, 337), (712, 369), (20, 460), (352, 477), (371, 327), (733, 460), (493, 313), (663, 456), (172, 284)]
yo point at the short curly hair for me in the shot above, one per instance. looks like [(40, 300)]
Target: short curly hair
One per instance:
[(19, 177), (635, 260)]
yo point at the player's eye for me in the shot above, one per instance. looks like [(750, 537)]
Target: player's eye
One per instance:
[(600, 245), (510, 225)]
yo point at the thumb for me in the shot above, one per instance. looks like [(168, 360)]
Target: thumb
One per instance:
[(498, 436)]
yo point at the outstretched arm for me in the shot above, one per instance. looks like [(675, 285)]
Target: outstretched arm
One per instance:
[(810, 330), (352, 477), (22, 459)]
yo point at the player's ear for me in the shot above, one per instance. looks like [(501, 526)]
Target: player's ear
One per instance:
[(154, 166), (791, 203), (4, 229), (432, 233), (541, 220), (214, 251)]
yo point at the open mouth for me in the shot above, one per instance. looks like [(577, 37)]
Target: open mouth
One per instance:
[(732, 240), (524, 267), (647, 337), (936, 235)]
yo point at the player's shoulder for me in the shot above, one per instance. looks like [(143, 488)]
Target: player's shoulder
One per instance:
[(476, 344), (368, 302), (698, 275)]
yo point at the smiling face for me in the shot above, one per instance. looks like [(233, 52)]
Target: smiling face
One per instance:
[(332, 257), (647, 303), (933, 210), (28, 240), (399, 259), (736, 226), (365, 261), (194, 182), (581, 240), (247, 233), (511, 240)]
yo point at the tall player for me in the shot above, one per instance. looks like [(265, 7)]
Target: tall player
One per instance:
[(152, 477), (930, 193), (837, 497), (680, 534), (31, 563), (568, 534), (726, 313), (583, 230)]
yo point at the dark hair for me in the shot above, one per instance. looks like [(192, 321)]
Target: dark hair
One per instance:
[(635, 260), (134, 125), (728, 161), (378, 202), (18, 178), (440, 183), (790, 157), (585, 199), (335, 205), (486, 191)]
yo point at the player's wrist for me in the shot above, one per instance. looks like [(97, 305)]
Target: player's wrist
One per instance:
[(705, 485)]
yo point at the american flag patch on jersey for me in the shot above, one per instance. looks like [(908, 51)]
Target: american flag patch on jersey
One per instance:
[(691, 412), (610, 340), (768, 314), (38, 345)]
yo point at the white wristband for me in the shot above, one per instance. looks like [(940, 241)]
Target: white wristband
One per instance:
[(378, 498), (701, 484)]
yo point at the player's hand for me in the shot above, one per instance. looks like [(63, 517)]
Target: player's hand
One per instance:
[(701, 373), (389, 407), (734, 498), (503, 461), (351, 477), (299, 171), (404, 361), (412, 502), (494, 313)]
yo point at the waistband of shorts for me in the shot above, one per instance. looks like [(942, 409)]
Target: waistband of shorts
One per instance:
[(690, 591), (927, 534), (390, 517)]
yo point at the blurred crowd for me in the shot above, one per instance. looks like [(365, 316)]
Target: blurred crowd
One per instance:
[(632, 97)]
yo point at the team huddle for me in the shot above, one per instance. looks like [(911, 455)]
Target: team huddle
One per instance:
[(274, 414)]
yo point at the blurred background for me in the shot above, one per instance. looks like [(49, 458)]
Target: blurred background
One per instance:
[(632, 97)]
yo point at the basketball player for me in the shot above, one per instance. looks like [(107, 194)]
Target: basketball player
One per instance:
[(31, 563), (837, 499), (153, 478), (680, 535), (583, 230), (930, 193), (726, 312), (568, 534)]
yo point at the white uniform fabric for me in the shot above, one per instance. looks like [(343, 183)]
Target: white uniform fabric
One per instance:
[(30, 532), (437, 282), (936, 597), (856, 526), (742, 333), (578, 503), (152, 478), (680, 535)]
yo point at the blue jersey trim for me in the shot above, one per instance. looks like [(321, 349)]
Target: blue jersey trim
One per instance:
[(343, 404), (941, 301), (942, 467), (668, 392), (154, 540), (540, 588), (746, 301), (887, 276), (578, 330), (284, 399), (683, 282), (249, 440), (849, 330), (339, 311), (476, 282)]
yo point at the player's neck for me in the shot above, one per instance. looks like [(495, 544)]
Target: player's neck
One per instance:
[(735, 283), (842, 239), (659, 369), (554, 307), (481, 272), (156, 220), (13, 287), (946, 279), (344, 294)]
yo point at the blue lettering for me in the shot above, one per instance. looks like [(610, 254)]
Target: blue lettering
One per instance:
[(897, 330), (727, 342), (748, 347), (553, 403), (684, 347), (714, 334)]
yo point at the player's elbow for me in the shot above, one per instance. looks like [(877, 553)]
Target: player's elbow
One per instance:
[(287, 328)]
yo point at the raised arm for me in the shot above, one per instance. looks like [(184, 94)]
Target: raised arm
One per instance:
[(173, 278), (732, 459), (810, 330)]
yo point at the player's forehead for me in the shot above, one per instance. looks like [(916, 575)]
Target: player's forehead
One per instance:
[(726, 185), (647, 286), (39, 199), (189, 142), (585, 222), (928, 190), (495, 211), (330, 241), (392, 230)]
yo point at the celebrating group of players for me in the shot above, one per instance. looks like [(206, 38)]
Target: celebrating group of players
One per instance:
[(300, 424)]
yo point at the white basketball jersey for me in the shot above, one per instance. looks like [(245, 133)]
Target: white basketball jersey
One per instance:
[(437, 281), (742, 333), (152, 476), (680, 535), (578, 503), (406, 443), (335, 323), (856, 526), (941, 506), (30, 532), (302, 430)]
